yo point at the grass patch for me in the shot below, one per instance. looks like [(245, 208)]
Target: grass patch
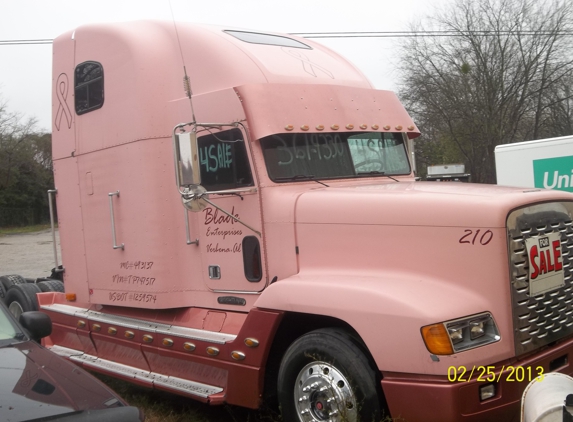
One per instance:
[(160, 406), (21, 230)]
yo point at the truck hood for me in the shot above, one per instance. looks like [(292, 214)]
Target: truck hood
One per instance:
[(417, 203), (38, 384)]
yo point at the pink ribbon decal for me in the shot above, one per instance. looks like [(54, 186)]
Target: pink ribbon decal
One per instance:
[(62, 86)]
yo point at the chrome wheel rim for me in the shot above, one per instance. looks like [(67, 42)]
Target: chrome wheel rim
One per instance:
[(322, 393), (16, 309)]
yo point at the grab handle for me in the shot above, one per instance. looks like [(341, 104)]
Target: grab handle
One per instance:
[(51, 194), (115, 245)]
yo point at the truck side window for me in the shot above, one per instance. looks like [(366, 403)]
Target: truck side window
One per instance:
[(224, 161), (252, 259), (88, 83)]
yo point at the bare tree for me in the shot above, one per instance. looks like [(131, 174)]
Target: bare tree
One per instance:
[(25, 169), (559, 109), (493, 74)]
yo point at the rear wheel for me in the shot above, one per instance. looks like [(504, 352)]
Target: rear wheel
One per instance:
[(7, 281), (22, 298), (325, 376), (51, 286)]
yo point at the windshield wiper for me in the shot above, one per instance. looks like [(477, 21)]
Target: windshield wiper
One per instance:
[(381, 173), (300, 177)]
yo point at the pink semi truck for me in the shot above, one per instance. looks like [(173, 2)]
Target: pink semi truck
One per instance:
[(240, 221)]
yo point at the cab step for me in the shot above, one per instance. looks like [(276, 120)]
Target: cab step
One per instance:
[(153, 379)]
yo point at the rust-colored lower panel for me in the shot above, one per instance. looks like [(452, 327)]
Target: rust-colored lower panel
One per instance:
[(411, 396)]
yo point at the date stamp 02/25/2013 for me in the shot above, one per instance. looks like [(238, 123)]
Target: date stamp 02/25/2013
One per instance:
[(494, 374)]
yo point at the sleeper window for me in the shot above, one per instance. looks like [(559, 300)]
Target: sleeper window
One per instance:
[(88, 85)]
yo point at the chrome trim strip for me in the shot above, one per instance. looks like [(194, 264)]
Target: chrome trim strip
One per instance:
[(185, 386), (151, 378), (64, 351), (236, 292), (142, 325)]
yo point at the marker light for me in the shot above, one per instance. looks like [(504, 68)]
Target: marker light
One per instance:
[(251, 342), (437, 339), (213, 351), (71, 297), (237, 355)]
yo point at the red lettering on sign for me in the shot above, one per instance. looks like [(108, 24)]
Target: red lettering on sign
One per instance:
[(557, 255), (542, 264), (532, 256), (550, 266)]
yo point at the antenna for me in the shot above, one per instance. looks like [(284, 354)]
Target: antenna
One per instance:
[(186, 80)]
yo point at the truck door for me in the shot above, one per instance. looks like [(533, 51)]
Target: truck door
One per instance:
[(231, 253)]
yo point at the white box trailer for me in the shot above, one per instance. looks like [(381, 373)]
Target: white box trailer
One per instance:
[(545, 163)]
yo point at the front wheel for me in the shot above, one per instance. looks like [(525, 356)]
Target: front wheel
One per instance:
[(325, 376)]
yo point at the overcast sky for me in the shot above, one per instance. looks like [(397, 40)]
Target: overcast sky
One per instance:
[(26, 70)]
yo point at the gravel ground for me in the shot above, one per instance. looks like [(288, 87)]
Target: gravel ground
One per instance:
[(30, 255)]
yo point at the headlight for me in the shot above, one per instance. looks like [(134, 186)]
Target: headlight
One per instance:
[(454, 336)]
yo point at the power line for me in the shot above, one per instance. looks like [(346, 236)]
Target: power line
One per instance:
[(410, 34), (366, 34), (26, 42)]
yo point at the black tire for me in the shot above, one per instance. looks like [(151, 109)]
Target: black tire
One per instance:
[(10, 280), (22, 298), (51, 286), (323, 365), (7, 281), (2, 293)]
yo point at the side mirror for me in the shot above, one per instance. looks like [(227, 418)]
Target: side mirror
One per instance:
[(187, 163), (37, 324)]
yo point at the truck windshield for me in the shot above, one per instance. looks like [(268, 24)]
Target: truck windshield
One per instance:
[(303, 156)]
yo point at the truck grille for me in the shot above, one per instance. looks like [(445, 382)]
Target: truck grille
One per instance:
[(540, 320)]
